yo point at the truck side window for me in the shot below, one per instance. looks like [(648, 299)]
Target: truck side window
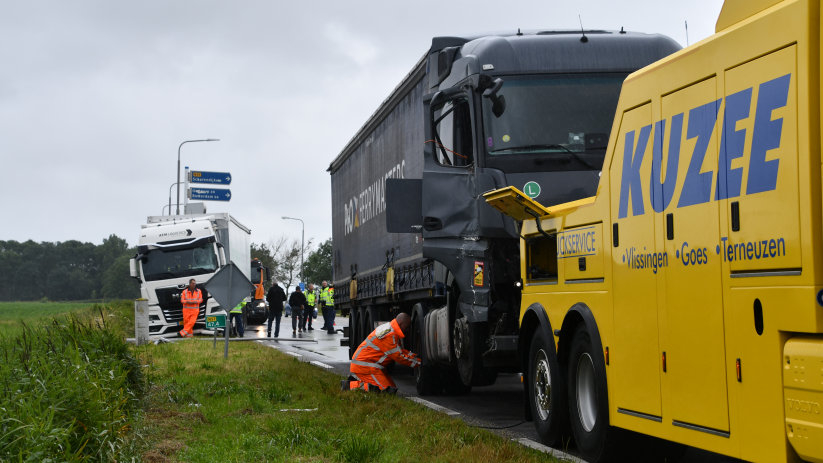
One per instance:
[(453, 127)]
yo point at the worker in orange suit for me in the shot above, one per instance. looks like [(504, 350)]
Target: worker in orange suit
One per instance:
[(379, 349), (191, 298)]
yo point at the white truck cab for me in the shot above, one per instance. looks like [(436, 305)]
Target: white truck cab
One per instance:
[(174, 249)]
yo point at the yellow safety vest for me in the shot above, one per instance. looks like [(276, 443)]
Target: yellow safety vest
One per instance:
[(239, 307)]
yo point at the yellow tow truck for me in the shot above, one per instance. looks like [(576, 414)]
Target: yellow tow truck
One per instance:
[(685, 300)]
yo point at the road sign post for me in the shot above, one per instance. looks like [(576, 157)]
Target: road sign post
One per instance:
[(213, 322), (228, 287)]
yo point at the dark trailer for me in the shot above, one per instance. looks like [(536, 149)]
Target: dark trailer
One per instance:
[(411, 231)]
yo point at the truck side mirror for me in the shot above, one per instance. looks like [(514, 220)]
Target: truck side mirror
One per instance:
[(133, 268), (438, 99), (498, 105), (498, 101), (493, 89)]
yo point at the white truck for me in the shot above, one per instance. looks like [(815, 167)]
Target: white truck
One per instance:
[(173, 249)]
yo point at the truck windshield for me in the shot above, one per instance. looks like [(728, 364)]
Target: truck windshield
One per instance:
[(556, 122), (159, 264), (256, 274)]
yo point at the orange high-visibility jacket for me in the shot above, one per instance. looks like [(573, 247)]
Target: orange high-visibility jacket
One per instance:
[(378, 350), (191, 299)]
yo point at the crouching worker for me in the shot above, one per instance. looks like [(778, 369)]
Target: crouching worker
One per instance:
[(379, 349)]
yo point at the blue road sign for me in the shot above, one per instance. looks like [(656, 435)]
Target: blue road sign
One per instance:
[(215, 178), (210, 194)]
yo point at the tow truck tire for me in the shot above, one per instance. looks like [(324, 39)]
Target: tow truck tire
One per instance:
[(426, 377), (588, 401), (547, 390)]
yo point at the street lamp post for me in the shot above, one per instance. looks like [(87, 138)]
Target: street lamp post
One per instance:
[(178, 167), (302, 238), (170, 187)]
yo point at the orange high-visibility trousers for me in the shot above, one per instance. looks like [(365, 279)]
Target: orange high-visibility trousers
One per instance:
[(373, 377), (189, 317)]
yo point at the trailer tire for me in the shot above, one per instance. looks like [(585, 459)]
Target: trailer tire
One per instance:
[(371, 320), (588, 401), (361, 324), (354, 332), (546, 390)]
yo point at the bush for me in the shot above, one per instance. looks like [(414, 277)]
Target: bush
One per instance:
[(68, 390)]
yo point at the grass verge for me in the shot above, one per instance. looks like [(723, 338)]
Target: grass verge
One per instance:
[(72, 390), (69, 387), (262, 405), (14, 314)]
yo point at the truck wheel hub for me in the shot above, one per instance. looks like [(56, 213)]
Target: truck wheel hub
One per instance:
[(461, 338)]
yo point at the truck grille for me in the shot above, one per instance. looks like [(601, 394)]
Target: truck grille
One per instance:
[(169, 301)]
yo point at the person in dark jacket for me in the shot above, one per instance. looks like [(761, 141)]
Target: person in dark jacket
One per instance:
[(297, 301), (275, 297)]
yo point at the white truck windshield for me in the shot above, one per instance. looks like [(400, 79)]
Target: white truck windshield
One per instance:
[(160, 264)]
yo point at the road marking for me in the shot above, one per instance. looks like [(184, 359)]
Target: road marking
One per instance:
[(433, 406), (546, 449), (294, 354), (321, 364)]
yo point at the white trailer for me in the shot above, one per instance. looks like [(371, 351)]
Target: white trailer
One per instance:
[(174, 249)]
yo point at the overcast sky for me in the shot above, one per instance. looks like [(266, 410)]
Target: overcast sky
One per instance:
[(96, 96)]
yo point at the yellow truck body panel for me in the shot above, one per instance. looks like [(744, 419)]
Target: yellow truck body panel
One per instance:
[(700, 256)]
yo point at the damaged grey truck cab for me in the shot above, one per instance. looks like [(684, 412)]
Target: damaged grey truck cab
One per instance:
[(529, 110)]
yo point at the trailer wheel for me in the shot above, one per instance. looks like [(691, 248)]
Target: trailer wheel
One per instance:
[(371, 320), (426, 376), (361, 325), (547, 390), (354, 333), (588, 401)]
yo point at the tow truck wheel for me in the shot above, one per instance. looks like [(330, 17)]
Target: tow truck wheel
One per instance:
[(547, 390), (588, 401)]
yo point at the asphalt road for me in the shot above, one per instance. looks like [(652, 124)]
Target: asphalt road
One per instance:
[(498, 408)]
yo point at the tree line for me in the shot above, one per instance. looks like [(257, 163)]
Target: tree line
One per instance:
[(282, 257), (76, 271), (66, 271)]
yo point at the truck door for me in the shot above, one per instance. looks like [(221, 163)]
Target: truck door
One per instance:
[(636, 265), (692, 333), (448, 183)]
